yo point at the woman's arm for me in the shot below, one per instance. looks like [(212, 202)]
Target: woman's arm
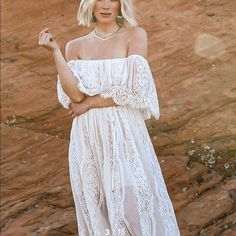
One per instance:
[(67, 79), (77, 109), (98, 102)]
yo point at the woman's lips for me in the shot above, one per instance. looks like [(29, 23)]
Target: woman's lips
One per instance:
[(105, 14)]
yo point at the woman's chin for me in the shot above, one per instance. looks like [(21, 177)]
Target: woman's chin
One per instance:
[(105, 20)]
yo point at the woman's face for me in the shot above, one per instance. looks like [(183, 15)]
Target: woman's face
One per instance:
[(106, 11)]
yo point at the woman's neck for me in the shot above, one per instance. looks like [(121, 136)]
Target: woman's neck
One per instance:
[(106, 28)]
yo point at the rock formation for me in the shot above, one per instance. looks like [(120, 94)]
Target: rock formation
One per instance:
[(192, 50)]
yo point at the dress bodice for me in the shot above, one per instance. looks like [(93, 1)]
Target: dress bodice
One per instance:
[(128, 81)]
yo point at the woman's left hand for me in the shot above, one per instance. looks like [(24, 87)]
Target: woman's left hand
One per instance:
[(96, 101), (78, 108)]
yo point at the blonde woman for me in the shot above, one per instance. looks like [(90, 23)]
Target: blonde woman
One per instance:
[(107, 85)]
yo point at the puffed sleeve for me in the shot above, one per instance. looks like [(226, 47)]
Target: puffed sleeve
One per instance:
[(63, 98), (84, 82), (138, 90)]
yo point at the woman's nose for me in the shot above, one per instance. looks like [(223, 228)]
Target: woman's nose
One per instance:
[(105, 5)]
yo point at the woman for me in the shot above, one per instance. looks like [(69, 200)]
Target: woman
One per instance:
[(106, 82)]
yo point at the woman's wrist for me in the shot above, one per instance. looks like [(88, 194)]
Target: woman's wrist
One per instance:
[(56, 52), (90, 101), (98, 102)]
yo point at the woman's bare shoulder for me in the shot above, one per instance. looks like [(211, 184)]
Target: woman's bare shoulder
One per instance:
[(134, 31), (138, 41), (79, 40), (74, 46), (137, 33)]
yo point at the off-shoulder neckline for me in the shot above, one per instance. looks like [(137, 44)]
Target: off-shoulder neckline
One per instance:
[(108, 59)]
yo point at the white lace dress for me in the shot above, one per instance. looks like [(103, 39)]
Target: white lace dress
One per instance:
[(116, 180)]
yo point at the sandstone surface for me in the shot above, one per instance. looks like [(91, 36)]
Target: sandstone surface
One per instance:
[(192, 48)]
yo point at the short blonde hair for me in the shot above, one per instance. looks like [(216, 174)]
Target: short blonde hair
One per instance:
[(85, 12)]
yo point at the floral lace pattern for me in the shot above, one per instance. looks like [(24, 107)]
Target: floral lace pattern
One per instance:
[(117, 184), (127, 81)]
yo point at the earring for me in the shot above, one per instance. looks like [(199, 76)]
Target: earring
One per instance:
[(93, 19), (120, 19)]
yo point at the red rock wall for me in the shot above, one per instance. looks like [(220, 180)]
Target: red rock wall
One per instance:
[(192, 48), (191, 52)]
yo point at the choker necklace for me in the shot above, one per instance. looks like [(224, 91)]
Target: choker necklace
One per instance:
[(105, 37)]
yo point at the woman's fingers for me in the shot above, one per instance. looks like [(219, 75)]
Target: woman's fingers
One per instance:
[(50, 37), (43, 31), (73, 113), (45, 39), (76, 109), (40, 40), (42, 37)]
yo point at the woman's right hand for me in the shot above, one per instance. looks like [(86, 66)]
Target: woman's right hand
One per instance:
[(47, 41)]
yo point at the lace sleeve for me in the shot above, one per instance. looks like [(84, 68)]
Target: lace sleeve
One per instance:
[(138, 90), (63, 98)]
